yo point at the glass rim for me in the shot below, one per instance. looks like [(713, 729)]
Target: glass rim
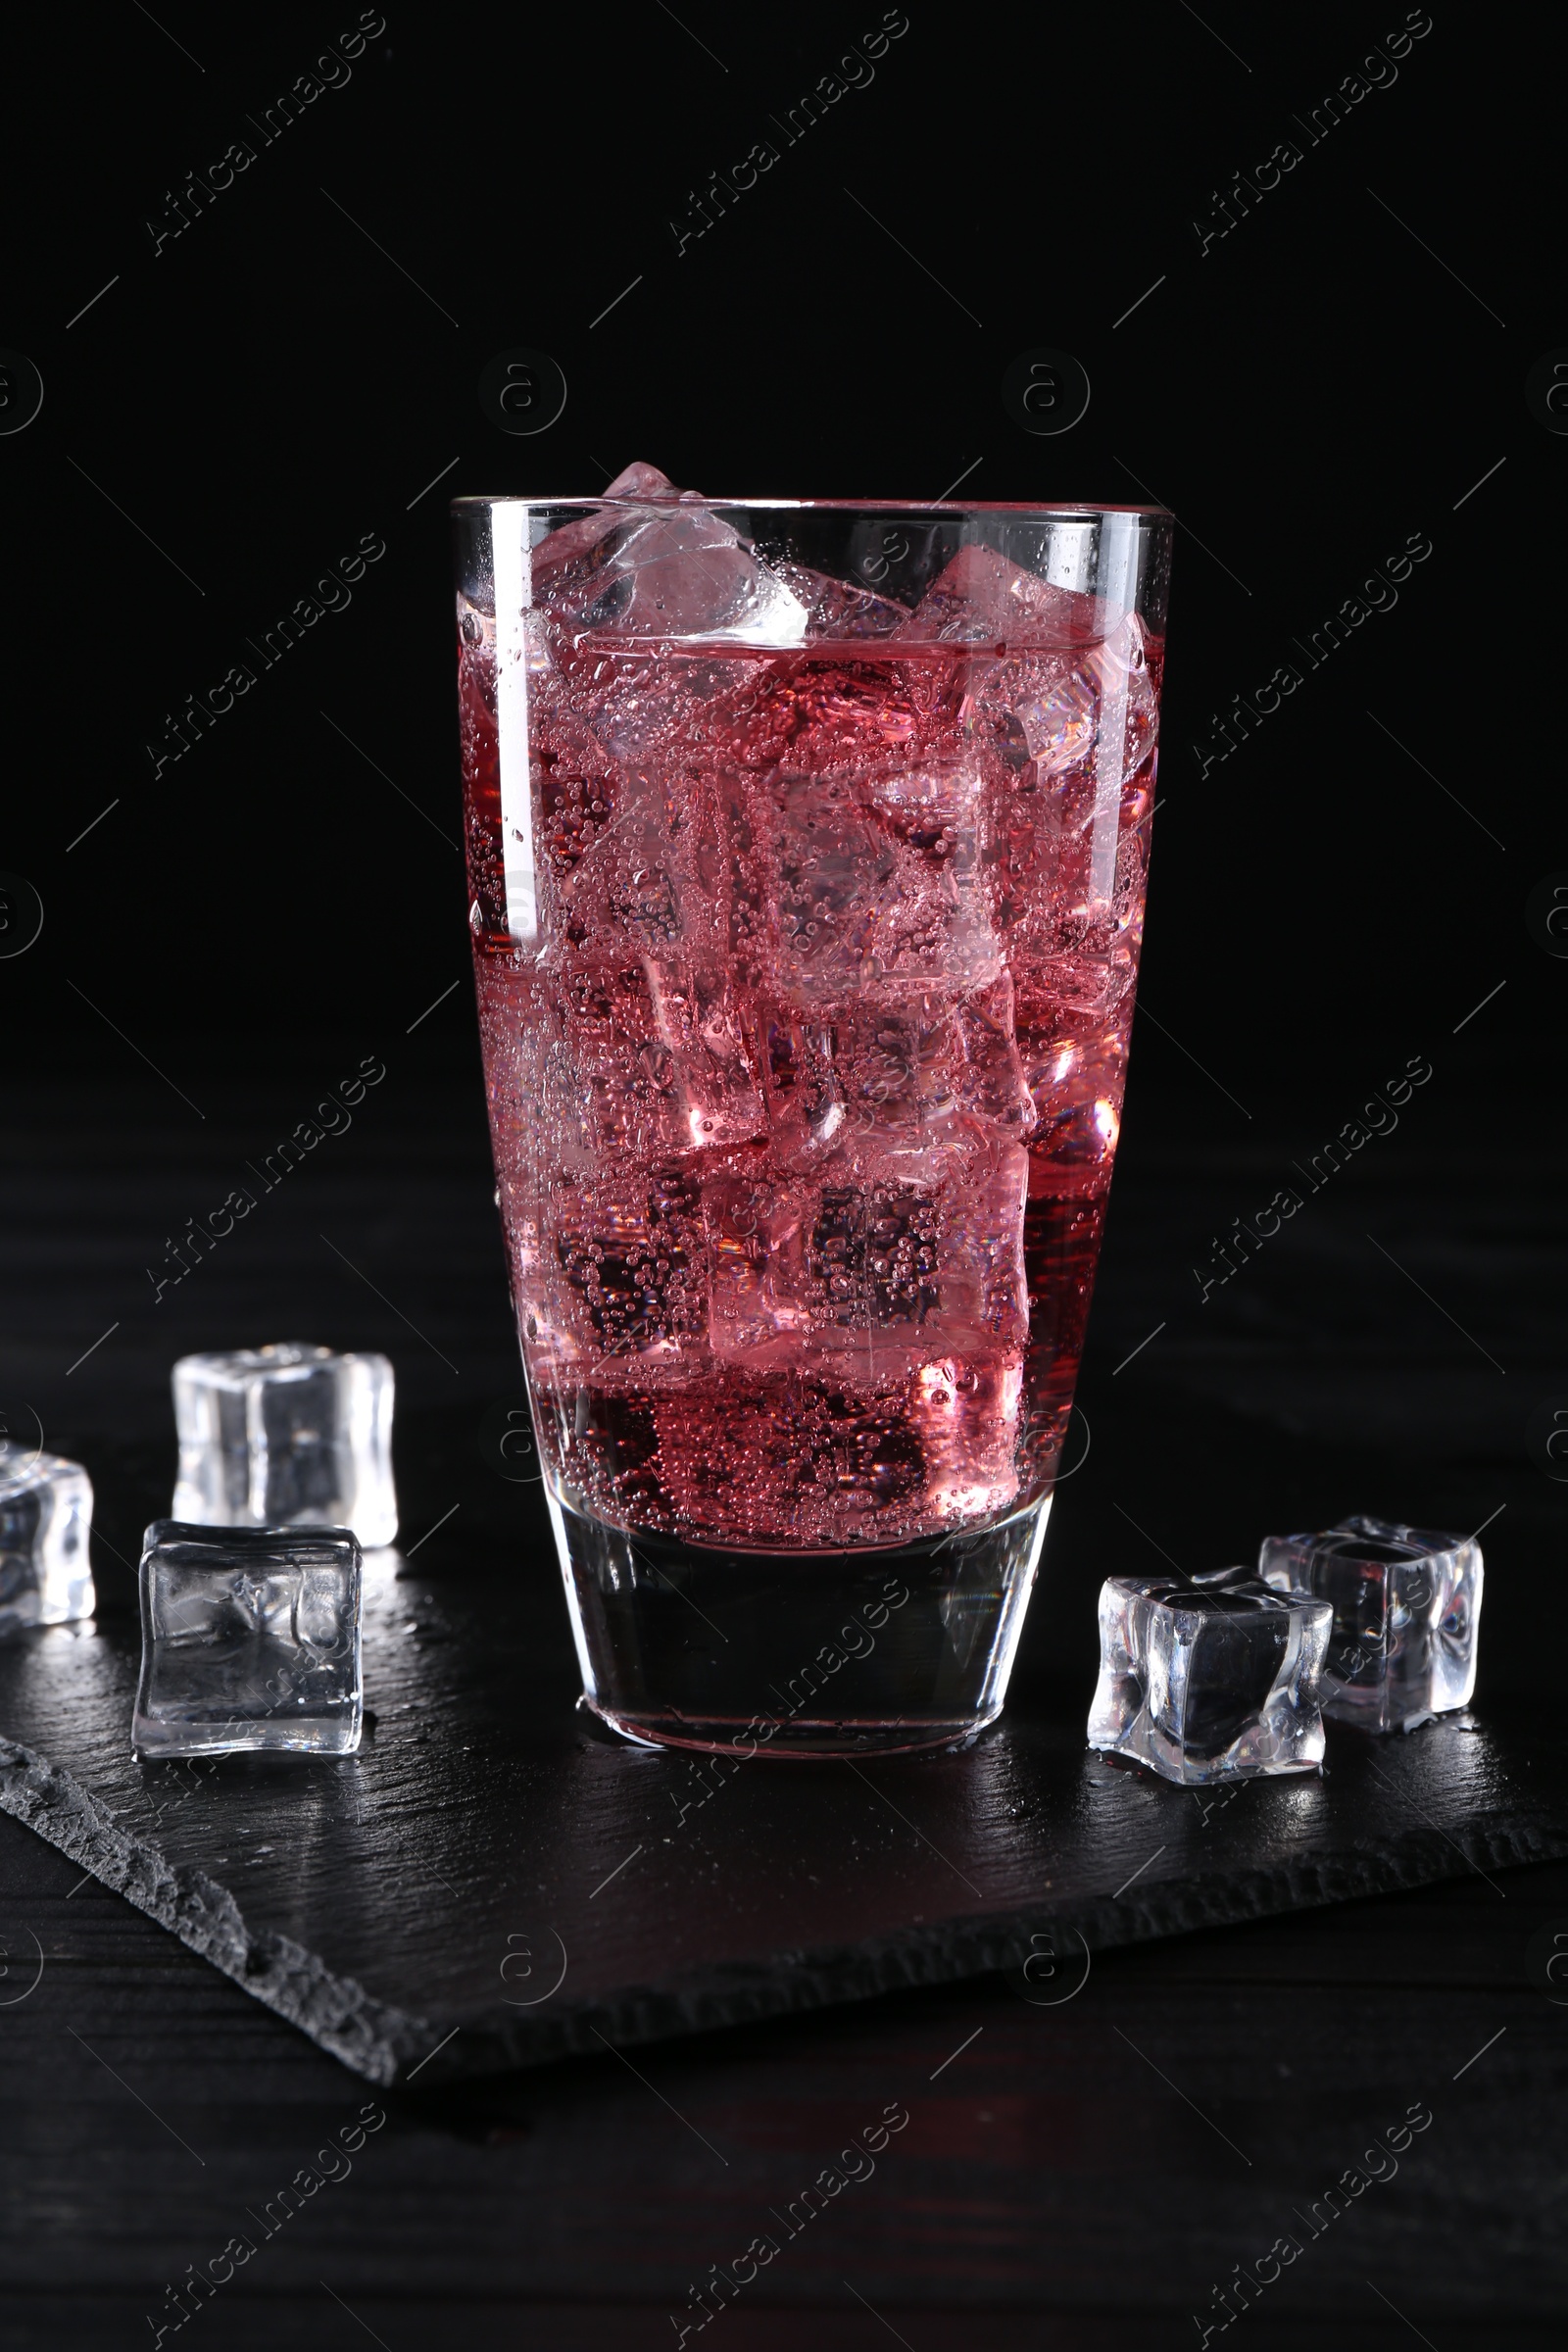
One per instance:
[(1067, 510)]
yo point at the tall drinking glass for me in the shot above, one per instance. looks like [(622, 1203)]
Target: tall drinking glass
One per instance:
[(807, 846)]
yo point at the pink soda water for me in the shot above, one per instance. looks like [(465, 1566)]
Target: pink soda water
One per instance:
[(805, 972)]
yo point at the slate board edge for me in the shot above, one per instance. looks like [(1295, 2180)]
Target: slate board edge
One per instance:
[(365, 2034), (389, 2046), (948, 1951)]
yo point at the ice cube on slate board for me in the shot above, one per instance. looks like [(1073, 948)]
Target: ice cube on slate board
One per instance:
[(289, 1435), (1406, 1606), (1209, 1677), (250, 1639), (45, 1520)]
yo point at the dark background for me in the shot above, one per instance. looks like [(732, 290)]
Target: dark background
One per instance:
[(1307, 393), (226, 420)]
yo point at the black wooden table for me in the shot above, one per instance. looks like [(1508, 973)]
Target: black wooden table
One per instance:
[(1096, 2173)]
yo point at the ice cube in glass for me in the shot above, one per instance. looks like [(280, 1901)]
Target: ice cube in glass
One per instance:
[(1406, 1604), (250, 1639), (287, 1436), (1211, 1677), (45, 1521)]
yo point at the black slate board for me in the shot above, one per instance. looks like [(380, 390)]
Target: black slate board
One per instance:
[(490, 1884)]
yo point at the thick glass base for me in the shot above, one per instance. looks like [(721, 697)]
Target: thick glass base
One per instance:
[(797, 1654)]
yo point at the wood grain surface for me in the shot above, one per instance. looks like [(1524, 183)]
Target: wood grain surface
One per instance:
[(1079, 2177)]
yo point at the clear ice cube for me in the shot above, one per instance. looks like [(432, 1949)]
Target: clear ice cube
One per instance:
[(935, 805), (607, 1085), (629, 894), (981, 599), (1076, 1075), (992, 1084), (966, 1409), (847, 716), (757, 1316), (1054, 703), (907, 1298), (985, 1292), (870, 1255), (801, 1089), (1406, 1604), (701, 1054), (833, 867), (829, 1275), (872, 1276), (564, 565), (655, 1053), (631, 1279), (898, 1065), (838, 610), (287, 1436), (250, 1639), (657, 566), (856, 906), (45, 1521), (653, 1061), (1060, 699), (1211, 1677), (659, 874)]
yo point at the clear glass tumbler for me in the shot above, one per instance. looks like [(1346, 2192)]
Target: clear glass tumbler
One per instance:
[(807, 846)]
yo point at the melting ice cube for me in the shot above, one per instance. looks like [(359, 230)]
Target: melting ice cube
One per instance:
[(45, 1521), (1406, 1606), (1210, 1677), (250, 1639)]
